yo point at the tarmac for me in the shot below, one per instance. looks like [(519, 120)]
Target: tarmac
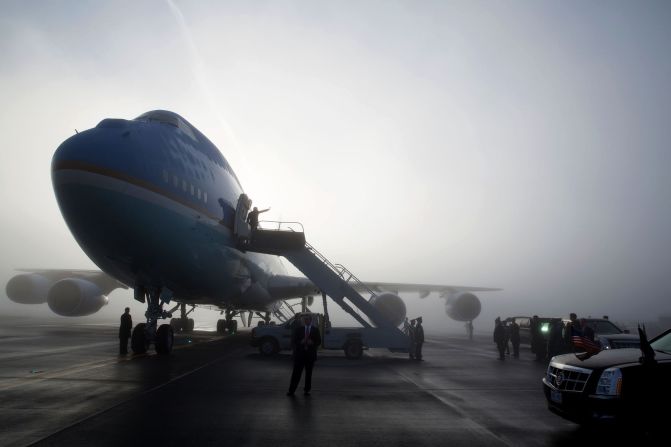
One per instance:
[(65, 384)]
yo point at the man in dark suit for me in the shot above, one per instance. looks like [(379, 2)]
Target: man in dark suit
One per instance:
[(124, 331), (305, 341)]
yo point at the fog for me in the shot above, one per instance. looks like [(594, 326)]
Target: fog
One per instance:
[(520, 145)]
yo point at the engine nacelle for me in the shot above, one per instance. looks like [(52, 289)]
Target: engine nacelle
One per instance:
[(74, 297), (28, 288), (391, 306), (463, 306)]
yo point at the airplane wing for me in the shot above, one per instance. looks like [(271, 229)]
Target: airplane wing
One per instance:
[(424, 289)]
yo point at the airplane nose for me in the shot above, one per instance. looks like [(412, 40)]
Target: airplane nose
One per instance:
[(93, 147)]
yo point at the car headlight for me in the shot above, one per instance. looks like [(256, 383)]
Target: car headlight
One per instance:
[(610, 382)]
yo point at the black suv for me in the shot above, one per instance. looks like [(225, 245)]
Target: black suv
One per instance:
[(619, 385), (609, 335)]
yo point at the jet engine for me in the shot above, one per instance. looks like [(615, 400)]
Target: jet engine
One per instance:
[(391, 306), (463, 306), (74, 297), (28, 288)]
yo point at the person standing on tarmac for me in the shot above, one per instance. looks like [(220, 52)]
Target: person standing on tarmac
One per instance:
[(469, 329), (124, 331), (419, 339), (411, 336), (305, 341), (571, 326), (515, 338), (499, 338), (506, 336)]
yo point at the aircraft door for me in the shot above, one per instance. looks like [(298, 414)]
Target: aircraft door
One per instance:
[(240, 226)]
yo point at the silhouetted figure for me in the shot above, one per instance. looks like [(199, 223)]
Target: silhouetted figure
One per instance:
[(499, 337), (253, 217), (406, 326), (469, 329), (419, 339), (411, 335), (305, 341), (556, 344), (515, 338), (534, 333), (125, 329), (571, 326), (506, 337)]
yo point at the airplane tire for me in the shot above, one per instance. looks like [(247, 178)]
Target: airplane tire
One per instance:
[(190, 325), (138, 339), (353, 350), (268, 346), (220, 326), (232, 326), (165, 338), (176, 324)]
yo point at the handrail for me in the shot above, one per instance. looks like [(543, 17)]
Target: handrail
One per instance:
[(338, 269), (356, 280), (280, 224)]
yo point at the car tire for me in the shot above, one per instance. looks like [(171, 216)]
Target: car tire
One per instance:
[(268, 346)]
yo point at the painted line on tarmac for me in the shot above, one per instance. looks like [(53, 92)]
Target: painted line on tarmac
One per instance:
[(141, 394), (32, 379), (469, 422)]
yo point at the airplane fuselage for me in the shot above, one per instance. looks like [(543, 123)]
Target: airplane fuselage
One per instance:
[(152, 202)]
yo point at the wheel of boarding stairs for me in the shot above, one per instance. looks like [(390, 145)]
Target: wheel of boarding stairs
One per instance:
[(164, 339), (353, 349)]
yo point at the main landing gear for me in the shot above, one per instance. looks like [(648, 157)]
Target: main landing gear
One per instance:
[(183, 323), (229, 325), (147, 333)]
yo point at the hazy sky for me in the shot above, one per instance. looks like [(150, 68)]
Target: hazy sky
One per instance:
[(522, 145)]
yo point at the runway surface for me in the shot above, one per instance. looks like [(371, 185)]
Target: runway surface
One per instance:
[(64, 384)]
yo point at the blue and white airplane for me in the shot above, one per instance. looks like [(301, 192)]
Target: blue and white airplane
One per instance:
[(153, 203)]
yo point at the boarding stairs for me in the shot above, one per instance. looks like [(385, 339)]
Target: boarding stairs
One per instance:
[(335, 280)]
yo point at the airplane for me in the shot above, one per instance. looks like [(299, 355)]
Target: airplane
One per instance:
[(153, 203)]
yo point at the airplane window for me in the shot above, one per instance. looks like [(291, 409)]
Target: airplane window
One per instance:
[(166, 177)]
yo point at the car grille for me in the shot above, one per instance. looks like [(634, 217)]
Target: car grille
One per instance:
[(567, 378)]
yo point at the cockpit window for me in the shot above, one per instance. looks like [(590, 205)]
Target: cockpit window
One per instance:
[(169, 118)]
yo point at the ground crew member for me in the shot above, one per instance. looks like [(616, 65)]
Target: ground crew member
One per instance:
[(515, 338), (305, 341), (124, 331), (253, 217), (419, 339), (411, 335), (469, 329), (499, 338)]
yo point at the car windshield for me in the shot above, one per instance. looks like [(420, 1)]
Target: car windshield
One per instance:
[(663, 343), (603, 327)]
